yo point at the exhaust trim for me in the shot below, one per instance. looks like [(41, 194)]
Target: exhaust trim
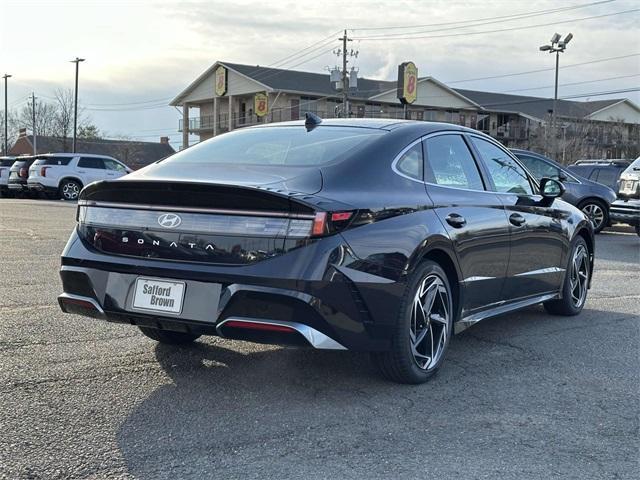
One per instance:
[(315, 338)]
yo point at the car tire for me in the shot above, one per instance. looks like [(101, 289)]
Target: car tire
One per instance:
[(70, 189), (595, 209), (574, 295), (410, 359), (168, 337)]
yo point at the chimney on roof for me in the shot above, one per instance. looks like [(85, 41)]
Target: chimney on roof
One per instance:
[(22, 132), (164, 140)]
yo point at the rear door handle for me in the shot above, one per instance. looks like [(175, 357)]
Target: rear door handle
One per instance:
[(456, 220), (517, 219)]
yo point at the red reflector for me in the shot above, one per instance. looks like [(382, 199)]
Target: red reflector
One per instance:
[(319, 224), (259, 326), (82, 303), (340, 216)]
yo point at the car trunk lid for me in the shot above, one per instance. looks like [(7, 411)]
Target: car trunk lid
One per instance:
[(192, 221)]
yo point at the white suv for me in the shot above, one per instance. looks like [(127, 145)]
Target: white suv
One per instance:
[(64, 174)]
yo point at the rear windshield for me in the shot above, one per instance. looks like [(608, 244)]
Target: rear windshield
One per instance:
[(52, 160), (634, 167), (279, 146)]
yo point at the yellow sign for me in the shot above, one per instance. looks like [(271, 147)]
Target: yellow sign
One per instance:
[(221, 81), (407, 82), (261, 104)]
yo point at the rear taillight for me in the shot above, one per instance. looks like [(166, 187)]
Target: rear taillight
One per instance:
[(24, 173), (326, 223), (43, 171)]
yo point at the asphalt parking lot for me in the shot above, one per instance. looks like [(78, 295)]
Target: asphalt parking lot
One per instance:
[(526, 395)]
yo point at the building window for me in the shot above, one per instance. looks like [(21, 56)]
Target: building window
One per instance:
[(372, 110), (308, 104), (462, 120)]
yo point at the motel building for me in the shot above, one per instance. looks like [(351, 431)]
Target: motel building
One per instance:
[(228, 96)]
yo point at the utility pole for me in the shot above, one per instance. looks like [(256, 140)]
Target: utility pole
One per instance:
[(556, 46), (345, 81), (33, 124), (75, 104), (6, 140)]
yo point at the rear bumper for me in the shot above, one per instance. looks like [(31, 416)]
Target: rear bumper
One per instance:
[(625, 211), (39, 187), (324, 305), (18, 185)]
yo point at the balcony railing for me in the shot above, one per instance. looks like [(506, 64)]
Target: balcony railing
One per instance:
[(205, 122)]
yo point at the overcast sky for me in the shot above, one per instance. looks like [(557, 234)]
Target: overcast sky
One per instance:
[(139, 51)]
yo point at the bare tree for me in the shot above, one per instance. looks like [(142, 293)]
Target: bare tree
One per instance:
[(64, 115), (45, 117), (12, 130)]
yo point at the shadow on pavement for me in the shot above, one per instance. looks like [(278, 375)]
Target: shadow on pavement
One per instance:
[(227, 414)]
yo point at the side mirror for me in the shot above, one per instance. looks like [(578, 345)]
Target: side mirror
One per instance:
[(551, 188)]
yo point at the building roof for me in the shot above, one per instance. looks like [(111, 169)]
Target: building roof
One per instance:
[(134, 154), (535, 107)]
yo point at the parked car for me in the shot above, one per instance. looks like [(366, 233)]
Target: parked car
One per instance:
[(63, 175), (5, 166), (18, 175), (377, 235), (627, 208), (594, 199), (606, 172)]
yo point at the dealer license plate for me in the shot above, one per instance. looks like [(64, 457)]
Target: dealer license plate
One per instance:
[(158, 296)]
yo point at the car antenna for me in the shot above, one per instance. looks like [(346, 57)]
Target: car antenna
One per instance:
[(311, 121)]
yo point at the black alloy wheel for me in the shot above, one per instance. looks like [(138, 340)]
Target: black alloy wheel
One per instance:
[(424, 328)]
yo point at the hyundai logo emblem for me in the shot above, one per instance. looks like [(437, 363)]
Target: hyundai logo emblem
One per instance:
[(169, 220)]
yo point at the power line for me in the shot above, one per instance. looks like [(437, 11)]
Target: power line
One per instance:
[(128, 103), (505, 18), (536, 12), (543, 69), (524, 27), (323, 40), (573, 83)]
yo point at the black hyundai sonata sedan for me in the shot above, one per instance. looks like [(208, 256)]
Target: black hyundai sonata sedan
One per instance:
[(374, 235)]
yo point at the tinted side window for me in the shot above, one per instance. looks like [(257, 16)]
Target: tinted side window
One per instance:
[(608, 176), (594, 174), (506, 174), (539, 168), (450, 163), (113, 165), (57, 161), (410, 163), (90, 162)]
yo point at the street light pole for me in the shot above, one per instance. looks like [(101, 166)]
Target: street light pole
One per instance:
[(6, 140), (556, 46), (75, 104)]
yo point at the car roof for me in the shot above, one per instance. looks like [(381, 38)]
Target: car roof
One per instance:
[(376, 123), (62, 154)]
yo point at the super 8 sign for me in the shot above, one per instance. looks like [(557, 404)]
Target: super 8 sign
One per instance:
[(221, 81), (407, 82), (261, 104)]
